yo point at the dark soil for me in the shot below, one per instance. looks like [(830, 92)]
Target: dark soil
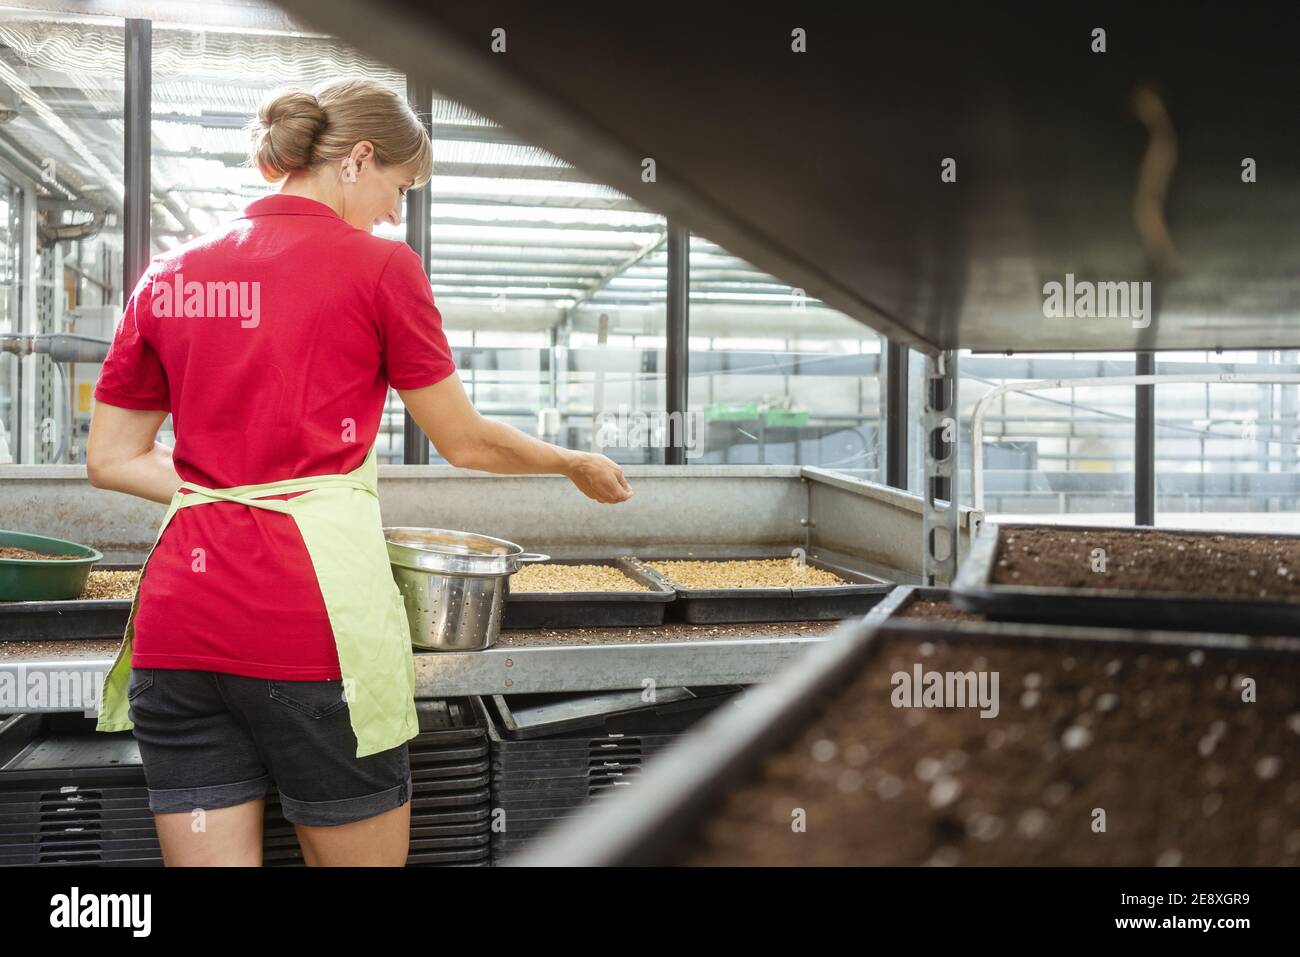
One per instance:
[(1257, 567), (1160, 739), (939, 610), (516, 637), (26, 554)]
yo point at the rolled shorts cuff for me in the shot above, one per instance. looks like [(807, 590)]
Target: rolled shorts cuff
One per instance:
[(209, 797), (344, 810)]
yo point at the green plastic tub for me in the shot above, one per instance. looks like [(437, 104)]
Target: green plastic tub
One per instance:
[(54, 579)]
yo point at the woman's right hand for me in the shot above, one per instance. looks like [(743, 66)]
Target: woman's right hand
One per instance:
[(467, 440), (598, 477)]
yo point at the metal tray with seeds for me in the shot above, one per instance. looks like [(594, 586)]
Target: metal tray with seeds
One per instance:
[(765, 603), (690, 783), (74, 620), (976, 589), (590, 609)]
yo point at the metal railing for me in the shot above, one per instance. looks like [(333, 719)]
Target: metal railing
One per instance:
[(1044, 385)]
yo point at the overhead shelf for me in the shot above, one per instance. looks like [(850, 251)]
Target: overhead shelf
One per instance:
[(823, 167)]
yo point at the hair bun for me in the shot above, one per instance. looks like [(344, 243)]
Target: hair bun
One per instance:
[(285, 133)]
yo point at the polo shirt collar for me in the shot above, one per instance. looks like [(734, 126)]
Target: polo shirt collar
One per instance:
[(282, 204)]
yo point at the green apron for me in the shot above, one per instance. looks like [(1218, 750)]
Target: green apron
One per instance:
[(338, 516)]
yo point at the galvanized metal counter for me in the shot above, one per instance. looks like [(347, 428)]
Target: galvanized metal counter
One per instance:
[(672, 506), (704, 511), (67, 676)]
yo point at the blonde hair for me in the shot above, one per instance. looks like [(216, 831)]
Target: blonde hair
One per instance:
[(297, 130)]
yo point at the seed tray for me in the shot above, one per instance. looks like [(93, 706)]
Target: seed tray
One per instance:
[(812, 603), (590, 609), (975, 590), (653, 822), (73, 619)]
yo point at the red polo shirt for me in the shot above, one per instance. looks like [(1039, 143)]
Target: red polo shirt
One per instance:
[(272, 341)]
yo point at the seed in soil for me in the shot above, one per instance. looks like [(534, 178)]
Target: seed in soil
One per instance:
[(559, 578), (1152, 561), (753, 573), (1164, 802), (940, 610)]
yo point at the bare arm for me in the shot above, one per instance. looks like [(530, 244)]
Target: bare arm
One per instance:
[(467, 440), (121, 453)]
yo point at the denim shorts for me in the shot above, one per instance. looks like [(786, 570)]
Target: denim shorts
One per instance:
[(211, 740)]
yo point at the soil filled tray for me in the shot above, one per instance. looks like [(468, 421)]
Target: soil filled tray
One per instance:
[(919, 602), (585, 593), (1236, 582), (765, 589), (1100, 747), (100, 612)]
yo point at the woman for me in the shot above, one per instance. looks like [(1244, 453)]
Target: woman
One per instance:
[(267, 642)]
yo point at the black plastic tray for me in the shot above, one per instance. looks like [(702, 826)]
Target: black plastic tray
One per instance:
[(546, 716), (58, 805), (76, 619), (711, 606), (73, 620), (590, 609), (973, 589), (648, 824), (897, 601)]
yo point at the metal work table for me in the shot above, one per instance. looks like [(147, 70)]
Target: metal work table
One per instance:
[(701, 510), (74, 671)]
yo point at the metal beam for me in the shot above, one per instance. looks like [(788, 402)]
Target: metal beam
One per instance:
[(1144, 445), (541, 669), (677, 369), (75, 676), (614, 271), (895, 399), (419, 214), (137, 100), (942, 492)]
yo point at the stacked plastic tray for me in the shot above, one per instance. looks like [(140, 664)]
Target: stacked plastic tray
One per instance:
[(552, 754), (76, 798), (79, 797), (450, 801)]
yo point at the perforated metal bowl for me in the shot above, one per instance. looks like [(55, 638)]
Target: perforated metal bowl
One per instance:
[(453, 584)]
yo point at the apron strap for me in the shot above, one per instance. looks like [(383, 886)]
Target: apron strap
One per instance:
[(202, 495)]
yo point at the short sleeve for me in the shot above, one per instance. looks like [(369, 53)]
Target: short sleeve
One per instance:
[(415, 350), (132, 375)]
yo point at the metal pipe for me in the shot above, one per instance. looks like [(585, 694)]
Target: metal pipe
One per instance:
[(896, 421), (59, 346), (678, 347), (1144, 445), (137, 104), (1042, 385)]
